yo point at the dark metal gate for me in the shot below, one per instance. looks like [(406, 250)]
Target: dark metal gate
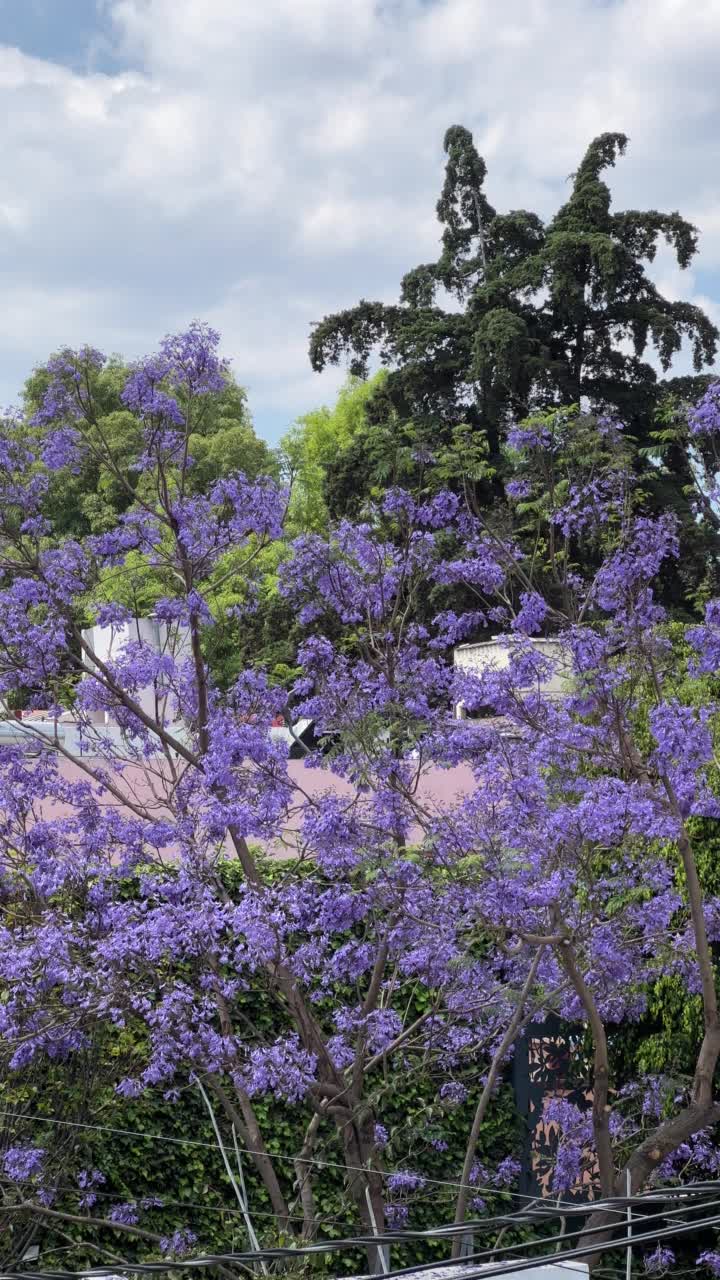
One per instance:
[(542, 1068)]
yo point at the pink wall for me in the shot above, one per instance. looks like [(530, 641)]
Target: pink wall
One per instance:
[(438, 788)]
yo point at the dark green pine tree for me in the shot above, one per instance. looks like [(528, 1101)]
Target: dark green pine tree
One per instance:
[(518, 315)]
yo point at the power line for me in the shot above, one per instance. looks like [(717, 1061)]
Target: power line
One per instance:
[(361, 1241), (536, 1205), (558, 1237), (567, 1255), (545, 1211), (249, 1151), (485, 1273), (535, 1210), (133, 1198)]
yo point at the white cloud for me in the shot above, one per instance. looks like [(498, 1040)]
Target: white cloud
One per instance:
[(265, 163)]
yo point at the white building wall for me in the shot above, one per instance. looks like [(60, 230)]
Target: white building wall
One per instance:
[(551, 1271), (485, 655), (108, 642)]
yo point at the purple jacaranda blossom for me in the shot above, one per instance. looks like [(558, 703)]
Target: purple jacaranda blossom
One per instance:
[(531, 615), (535, 436), (283, 1068), (704, 417), (66, 398), (136, 887), (62, 448), (124, 1214), (23, 1164), (518, 489), (179, 1244), (396, 1215), (705, 640), (710, 1258), (659, 1261), (507, 1172), (453, 1092), (87, 1180), (405, 1180)]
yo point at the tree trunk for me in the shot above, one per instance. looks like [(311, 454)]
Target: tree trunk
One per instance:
[(483, 1102), (247, 1126), (365, 1184)]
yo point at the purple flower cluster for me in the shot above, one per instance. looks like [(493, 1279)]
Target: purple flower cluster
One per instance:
[(23, 1164), (87, 1180), (507, 1172), (405, 1180), (659, 1261), (704, 417), (179, 1244), (396, 1215), (710, 1258), (124, 1214)]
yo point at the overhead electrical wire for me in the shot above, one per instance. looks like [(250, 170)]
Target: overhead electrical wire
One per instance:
[(492, 1253), (486, 1272), (249, 1151), (536, 1204), (568, 1255), (536, 1210)]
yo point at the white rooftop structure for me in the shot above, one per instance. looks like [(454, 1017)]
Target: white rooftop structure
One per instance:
[(494, 655), (107, 644), (546, 1271), (33, 729)]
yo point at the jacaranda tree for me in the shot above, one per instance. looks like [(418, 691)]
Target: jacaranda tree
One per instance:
[(564, 876)]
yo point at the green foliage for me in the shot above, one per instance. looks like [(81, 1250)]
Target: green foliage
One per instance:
[(310, 447), (540, 315), (221, 440), (265, 635), (674, 479), (665, 1040), (136, 585)]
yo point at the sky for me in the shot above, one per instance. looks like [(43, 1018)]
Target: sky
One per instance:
[(261, 163)]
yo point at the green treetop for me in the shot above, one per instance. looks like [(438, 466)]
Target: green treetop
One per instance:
[(222, 440), (312, 444), (518, 315)]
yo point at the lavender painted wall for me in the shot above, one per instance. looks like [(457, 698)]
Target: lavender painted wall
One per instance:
[(437, 789)]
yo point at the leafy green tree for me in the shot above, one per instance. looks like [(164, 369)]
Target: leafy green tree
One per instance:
[(315, 440), (520, 315), (158, 1155), (90, 498)]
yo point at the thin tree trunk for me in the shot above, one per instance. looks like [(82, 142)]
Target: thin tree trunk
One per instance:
[(246, 1123), (303, 1174), (702, 1111), (364, 1181), (482, 1106)]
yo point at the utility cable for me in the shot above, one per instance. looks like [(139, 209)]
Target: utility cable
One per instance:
[(492, 1253), (361, 1241), (288, 1159), (612, 1204)]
